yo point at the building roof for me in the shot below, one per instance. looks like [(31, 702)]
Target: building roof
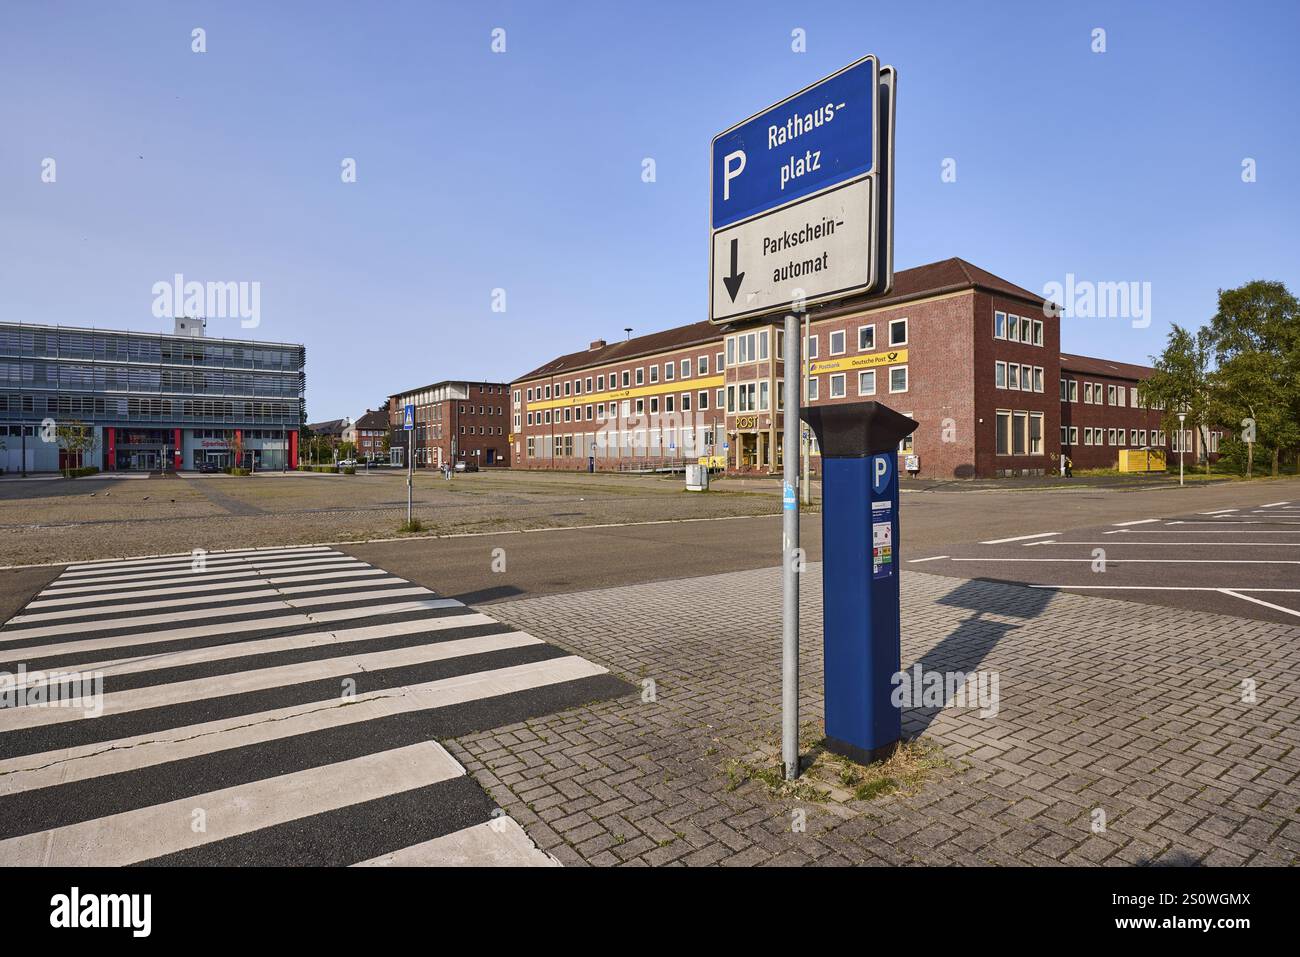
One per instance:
[(1092, 366), (329, 426), (372, 419), (442, 382), (676, 338), (948, 275), (109, 330)]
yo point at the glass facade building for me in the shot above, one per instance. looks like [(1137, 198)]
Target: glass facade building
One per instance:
[(153, 401)]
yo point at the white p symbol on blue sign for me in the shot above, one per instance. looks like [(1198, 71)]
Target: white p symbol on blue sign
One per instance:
[(880, 471)]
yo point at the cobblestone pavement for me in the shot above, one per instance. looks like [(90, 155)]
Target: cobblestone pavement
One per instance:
[(1105, 706)]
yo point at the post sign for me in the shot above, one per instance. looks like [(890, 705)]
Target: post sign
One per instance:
[(408, 417), (802, 198)]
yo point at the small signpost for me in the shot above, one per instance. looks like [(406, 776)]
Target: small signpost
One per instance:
[(408, 423), (803, 213)]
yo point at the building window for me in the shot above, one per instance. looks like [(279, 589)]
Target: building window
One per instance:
[(686, 368), (810, 349), (1013, 328), (1038, 378), (813, 388), (838, 346), (898, 332), (1038, 332), (704, 400), (999, 325), (1000, 374), (626, 378), (837, 383), (654, 375), (1035, 433), (1019, 432), (668, 403), (866, 338), (763, 397), (702, 365), (1065, 436), (1027, 378), (1003, 444), (898, 379), (640, 406), (731, 398), (686, 402), (670, 372), (867, 382), (1013, 376)]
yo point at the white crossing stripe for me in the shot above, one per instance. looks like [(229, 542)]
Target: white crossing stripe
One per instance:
[(213, 718), (500, 842), (138, 835)]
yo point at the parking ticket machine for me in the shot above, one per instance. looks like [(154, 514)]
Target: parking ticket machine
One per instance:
[(860, 598)]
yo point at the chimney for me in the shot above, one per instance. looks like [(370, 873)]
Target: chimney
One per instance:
[(597, 344)]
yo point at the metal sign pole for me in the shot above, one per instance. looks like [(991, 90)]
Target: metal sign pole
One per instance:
[(789, 557), (409, 464)]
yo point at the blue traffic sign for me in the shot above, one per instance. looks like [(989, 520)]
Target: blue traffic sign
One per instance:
[(408, 417), (817, 138)]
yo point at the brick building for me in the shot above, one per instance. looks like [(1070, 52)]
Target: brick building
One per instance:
[(969, 355), (455, 421), (367, 434)]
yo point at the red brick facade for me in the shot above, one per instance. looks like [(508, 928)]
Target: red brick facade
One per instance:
[(454, 422), (973, 358)]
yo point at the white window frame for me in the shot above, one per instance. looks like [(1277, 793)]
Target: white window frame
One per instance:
[(862, 373), (841, 379), (892, 324), (864, 328), (906, 380)]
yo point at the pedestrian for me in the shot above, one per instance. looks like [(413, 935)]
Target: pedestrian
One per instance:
[(1069, 466)]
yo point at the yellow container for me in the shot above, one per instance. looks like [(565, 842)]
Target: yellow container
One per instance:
[(1141, 460)]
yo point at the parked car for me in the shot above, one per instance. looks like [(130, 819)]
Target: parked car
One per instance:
[(208, 467), (466, 467), (347, 463)]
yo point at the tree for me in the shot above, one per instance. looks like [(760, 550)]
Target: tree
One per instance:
[(235, 443), (75, 438), (1256, 336), (1182, 382)]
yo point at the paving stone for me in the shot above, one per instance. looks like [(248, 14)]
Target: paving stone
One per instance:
[(1136, 714)]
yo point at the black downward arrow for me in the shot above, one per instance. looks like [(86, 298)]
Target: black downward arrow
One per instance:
[(733, 281)]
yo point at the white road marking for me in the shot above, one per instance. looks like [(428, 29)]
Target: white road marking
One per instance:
[(148, 832), (1019, 538), (1260, 601), (500, 842), (84, 761), (134, 664), (261, 679), (1119, 541), (1273, 504), (1221, 511), (932, 558), (1288, 591), (1148, 561), (1136, 521)]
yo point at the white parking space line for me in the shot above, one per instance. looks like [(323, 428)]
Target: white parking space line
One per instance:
[(1220, 511), (1136, 521), (1273, 504), (1019, 538), (1204, 531), (1287, 591), (1260, 601), (1149, 561), (932, 558), (1219, 544)]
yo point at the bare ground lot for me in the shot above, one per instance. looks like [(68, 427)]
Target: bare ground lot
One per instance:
[(67, 521)]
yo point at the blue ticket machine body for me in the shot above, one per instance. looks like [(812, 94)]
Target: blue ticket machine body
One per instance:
[(861, 625)]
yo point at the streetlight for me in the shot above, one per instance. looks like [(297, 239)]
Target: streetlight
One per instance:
[(1182, 441)]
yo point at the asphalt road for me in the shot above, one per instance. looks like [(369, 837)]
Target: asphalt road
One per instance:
[(1242, 560)]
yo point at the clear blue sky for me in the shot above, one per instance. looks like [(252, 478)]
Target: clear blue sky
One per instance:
[(523, 170)]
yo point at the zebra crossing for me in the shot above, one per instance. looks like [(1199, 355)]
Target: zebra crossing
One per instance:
[(261, 707)]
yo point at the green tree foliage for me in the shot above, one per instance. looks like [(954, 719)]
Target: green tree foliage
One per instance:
[(1256, 334)]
